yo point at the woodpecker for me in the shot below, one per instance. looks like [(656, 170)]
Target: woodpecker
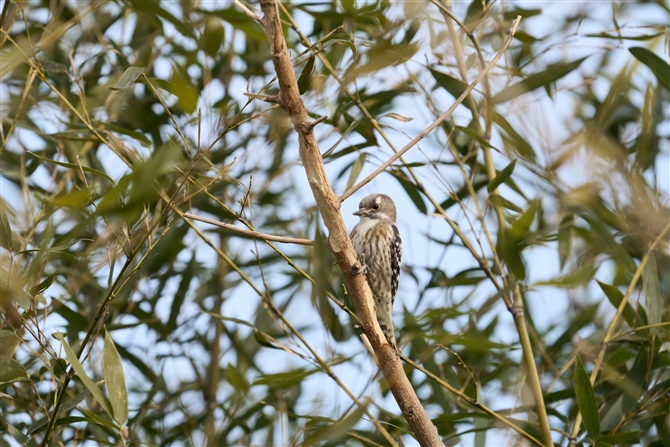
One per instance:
[(377, 242)]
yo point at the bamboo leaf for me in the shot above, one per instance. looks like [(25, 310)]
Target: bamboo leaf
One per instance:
[(658, 66), (73, 166), (128, 78), (454, 86), (537, 80), (336, 432), (44, 285), (412, 191), (212, 37), (586, 400), (137, 135), (577, 278), (6, 233), (502, 176), (81, 373), (115, 380), (356, 169), (565, 239), (499, 200), (305, 79), (652, 293), (615, 297), (514, 140)]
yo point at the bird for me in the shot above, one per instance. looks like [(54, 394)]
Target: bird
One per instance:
[(377, 242)]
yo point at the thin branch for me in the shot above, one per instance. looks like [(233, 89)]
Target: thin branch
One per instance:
[(340, 244), (438, 121), (247, 11), (256, 234)]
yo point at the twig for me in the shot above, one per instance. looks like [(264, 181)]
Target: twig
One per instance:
[(438, 121), (247, 11), (264, 236), (267, 98)]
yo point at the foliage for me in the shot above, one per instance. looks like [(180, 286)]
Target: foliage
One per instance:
[(551, 179)]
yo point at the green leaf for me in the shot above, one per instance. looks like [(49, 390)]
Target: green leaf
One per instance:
[(76, 321), (521, 225), (17, 434), (621, 37), (382, 55), (305, 79), (502, 176), (73, 166), (115, 380), (183, 88), (239, 20), (537, 80), (475, 136), (137, 135), (565, 239), (6, 233), (154, 9), (264, 340), (634, 383), (412, 191), (498, 200), (658, 66), (652, 293), (212, 37), (356, 169), (128, 78), (511, 14), (586, 400), (577, 278), (284, 380), (454, 86), (615, 297), (627, 437), (333, 434), (236, 379), (44, 285), (81, 373), (514, 140)]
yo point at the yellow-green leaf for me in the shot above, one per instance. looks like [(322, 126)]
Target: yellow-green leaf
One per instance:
[(537, 80), (115, 380), (356, 169), (128, 77), (41, 287), (652, 293), (336, 432), (81, 373), (212, 37), (502, 176)]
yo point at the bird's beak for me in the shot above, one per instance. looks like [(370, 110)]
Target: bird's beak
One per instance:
[(359, 213)]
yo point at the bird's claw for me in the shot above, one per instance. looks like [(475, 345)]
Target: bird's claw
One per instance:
[(358, 269)]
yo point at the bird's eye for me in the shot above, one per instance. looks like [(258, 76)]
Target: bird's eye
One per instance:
[(375, 206)]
